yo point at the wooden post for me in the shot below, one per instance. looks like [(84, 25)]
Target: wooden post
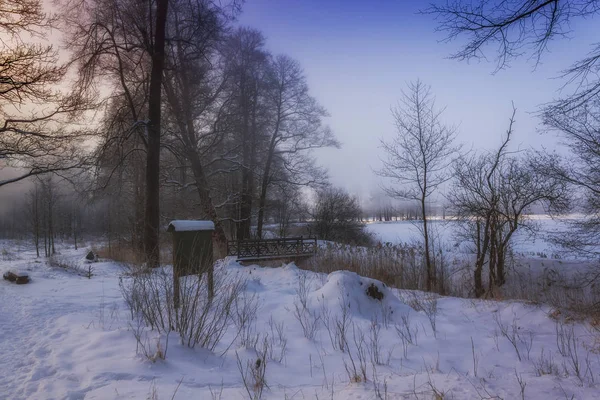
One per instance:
[(211, 282)]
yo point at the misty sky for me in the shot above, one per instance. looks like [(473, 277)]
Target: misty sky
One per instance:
[(359, 55)]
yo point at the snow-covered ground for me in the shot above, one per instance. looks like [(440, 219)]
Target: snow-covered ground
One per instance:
[(64, 336), (524, 241)]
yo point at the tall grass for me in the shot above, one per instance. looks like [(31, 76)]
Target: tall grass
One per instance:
[(402, 266), (397, 266)]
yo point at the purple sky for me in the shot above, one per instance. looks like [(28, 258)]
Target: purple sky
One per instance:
[(359, 55)]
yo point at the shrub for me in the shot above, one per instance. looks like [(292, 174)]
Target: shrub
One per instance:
[(198, 320), (336, 217)]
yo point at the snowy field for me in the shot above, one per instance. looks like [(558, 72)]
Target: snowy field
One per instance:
[(524, 242), (65, 336)]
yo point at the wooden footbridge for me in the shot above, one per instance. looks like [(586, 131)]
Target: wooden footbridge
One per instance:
[(272, 249)]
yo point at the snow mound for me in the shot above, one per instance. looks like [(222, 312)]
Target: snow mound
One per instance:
[(356, 293)]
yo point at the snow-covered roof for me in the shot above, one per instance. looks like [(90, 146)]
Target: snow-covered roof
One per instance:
[(182, 225)]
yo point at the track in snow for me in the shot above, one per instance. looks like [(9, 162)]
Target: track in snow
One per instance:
[(24, 349)]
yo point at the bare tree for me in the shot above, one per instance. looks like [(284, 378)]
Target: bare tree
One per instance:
[(513, 26), (122, 41), (475, 199), (418, 158), (296, 128), (517, 27), (36, 134), (580, 130), (152, 215), (287, 205), (247, 62), (119, 173), (33, 209), (194, 88), (49, 200), (491, 195), (336, 217), (219, 112)]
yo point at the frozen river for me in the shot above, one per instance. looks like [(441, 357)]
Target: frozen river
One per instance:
[(525, 241)]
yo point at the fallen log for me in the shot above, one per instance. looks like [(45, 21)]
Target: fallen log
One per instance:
[(17, 277)]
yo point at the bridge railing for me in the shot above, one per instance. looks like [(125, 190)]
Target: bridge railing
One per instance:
[(264, 249)]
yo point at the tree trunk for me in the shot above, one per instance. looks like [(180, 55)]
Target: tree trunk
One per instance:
[(207, 205), (245, 215), (478, 281), (46, 253), (261, 206), (431, 281), (265, 183), (36, 222), (152, 217), (482, 248), (139, 203), (250, 105), (181, 103), (247, 188), (500, 276), (51, 248), (493, 259)]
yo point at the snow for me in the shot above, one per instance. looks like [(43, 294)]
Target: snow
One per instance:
[(71, 338), (17, 273), (351, 288), (523, 241), (190, 225)]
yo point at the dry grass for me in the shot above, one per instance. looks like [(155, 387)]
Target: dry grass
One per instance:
[(553, 282), (395, 265), (400, 266), (127, 254), (567, 286)]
